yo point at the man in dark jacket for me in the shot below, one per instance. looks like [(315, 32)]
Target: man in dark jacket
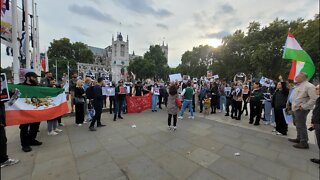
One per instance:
[(315, 122), (120, 95), (28, 132), (97, 105)]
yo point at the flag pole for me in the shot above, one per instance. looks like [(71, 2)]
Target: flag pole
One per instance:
[(16, 62), (37, 37), (26, 25), (33, 55)]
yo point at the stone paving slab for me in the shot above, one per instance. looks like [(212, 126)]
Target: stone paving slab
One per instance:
[(202, 148)]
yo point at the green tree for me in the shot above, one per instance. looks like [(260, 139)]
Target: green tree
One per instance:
[(142, 68), (64, 51)]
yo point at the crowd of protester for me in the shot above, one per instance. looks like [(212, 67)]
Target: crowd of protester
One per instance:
[(266, 103)]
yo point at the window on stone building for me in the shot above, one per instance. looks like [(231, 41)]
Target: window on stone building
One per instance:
[(122, 50)]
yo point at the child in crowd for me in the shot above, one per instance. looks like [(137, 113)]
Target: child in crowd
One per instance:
[(206, 104)]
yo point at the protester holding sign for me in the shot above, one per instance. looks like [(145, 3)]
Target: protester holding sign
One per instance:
[(120, 95)]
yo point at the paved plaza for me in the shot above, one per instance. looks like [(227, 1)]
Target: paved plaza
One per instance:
[(200, 149)]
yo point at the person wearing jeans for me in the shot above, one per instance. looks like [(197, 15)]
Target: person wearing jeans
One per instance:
[(223, 99), (187, 94), (155, 96)]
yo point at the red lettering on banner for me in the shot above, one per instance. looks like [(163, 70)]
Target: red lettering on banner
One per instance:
[(136, 104)]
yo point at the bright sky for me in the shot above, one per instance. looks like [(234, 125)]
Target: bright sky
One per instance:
[(181, 24)]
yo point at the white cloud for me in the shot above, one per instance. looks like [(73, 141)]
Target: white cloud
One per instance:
[(181, 24)]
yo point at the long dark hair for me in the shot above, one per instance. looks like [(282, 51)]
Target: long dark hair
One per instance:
[(285, 89), (173, 90)]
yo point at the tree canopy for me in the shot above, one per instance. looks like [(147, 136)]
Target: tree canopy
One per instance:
[(63, 51), (257, 51), (154, 64)]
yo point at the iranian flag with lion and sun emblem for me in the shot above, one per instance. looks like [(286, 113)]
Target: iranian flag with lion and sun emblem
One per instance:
[(34, 104)]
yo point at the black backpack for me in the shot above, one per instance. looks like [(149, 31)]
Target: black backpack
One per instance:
[(90, 92)]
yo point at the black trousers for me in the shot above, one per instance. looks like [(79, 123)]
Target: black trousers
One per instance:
[(228, 104), (105, 101), (194, 103), (214, 103), (160, 97), (112, 103), (238, 109), (245, 104), (255, 111), (281, 125), (3, 145), (174, 119), (97, 116), (233, 108), (118, 107), (28, 133), (201, 103), (166, 99), (79, 113)]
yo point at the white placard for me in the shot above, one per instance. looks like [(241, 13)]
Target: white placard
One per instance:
[(108, 91), (128, 88), (175, 77), (216, 76)]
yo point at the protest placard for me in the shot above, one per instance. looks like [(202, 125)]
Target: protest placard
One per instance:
[(175, 77)]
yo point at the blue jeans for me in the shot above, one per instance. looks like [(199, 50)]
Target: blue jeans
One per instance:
[(223, 100), (184, 105), (52, 124), (267, 112), (154, 102)]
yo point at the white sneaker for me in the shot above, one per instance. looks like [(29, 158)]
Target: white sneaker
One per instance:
[(58, 130), (52, 133), (274, 130), (266, 123), (169, 127), (174, 128), (220, 111), (180, 117), (9, 162), (191, 117), (79, 125), (85, 122), (61, 124), (277, 133)]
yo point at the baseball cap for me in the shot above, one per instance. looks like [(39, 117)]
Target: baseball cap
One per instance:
[(31, 74)]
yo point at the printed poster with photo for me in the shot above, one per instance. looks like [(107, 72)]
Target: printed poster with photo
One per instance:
[(4, 93)]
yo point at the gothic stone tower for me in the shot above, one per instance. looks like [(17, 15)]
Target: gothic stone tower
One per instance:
[(120, 58), (165, 50)]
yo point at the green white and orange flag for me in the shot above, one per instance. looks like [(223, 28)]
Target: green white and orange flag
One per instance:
[(34, 104), (301, 61)]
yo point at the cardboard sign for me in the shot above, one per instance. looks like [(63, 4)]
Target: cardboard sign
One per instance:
[(122, 90), (216, 76), (4, 92), (108, 91), (266, 82), (156, 91), (175, 77)]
